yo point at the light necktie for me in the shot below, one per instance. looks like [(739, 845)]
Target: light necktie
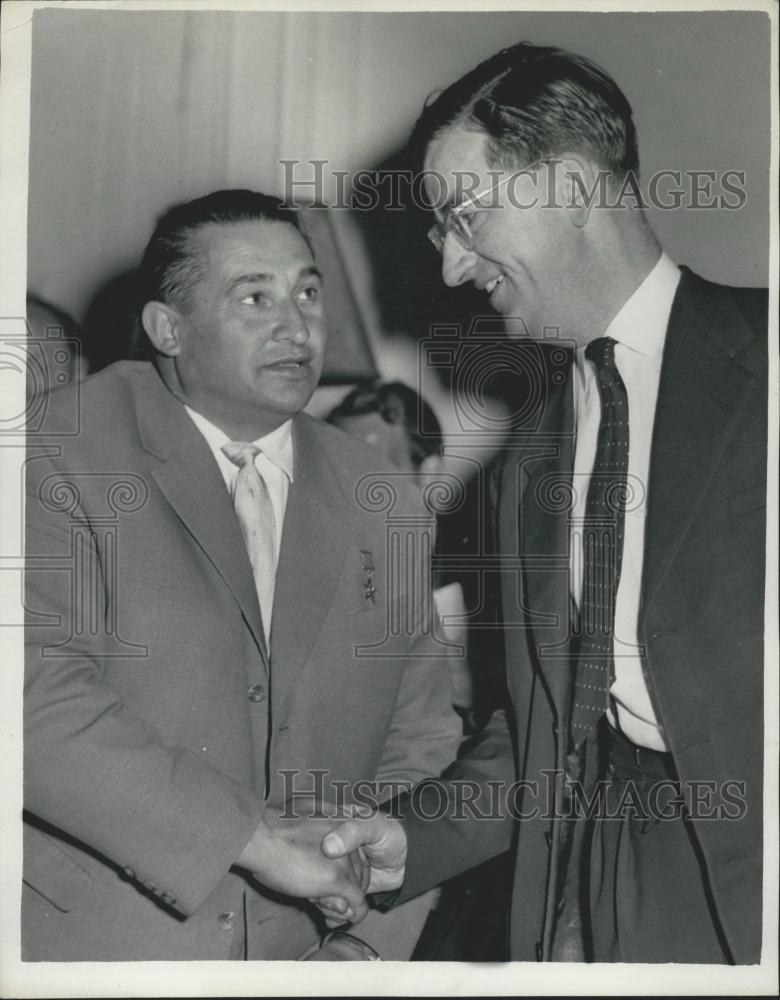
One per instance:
[(603, 532), (255, 513)]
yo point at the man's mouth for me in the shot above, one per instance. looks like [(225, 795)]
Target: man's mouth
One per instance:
[(289, 363), (290, 366)]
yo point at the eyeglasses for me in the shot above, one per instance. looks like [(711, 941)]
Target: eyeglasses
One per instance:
[(455, 221)]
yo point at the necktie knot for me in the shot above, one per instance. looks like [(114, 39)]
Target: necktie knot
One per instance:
[(601, 352), (241, 453)]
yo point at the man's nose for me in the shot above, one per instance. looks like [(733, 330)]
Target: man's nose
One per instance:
[(456, 261), (292, 324)]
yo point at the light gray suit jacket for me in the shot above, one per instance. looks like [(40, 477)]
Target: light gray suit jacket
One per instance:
[(157, 724)]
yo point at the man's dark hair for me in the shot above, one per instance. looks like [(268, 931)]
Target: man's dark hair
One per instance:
[(171, 265), (534, 102), (396, 404)]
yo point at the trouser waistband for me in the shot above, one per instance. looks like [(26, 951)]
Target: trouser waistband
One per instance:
[(635, 759)]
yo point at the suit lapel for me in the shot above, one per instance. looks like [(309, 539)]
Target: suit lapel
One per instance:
[(705, 378), (313, 550), (702, 387), (189, 477), (538, 475)]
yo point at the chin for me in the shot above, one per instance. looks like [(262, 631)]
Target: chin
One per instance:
[(290, 402)]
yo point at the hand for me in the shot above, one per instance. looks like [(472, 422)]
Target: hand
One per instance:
[(381, 842), (285, 855)]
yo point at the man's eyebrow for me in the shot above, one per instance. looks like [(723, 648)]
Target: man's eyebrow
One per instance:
[(254, 278), (264, 278)]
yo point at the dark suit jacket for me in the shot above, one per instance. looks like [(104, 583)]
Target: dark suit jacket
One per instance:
[(157, 725), (701, 620)]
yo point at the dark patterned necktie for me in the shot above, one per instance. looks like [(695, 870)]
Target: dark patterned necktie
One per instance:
[(602, 546)]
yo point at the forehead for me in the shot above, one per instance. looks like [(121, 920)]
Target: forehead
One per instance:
[(454, 156), (270, 247)]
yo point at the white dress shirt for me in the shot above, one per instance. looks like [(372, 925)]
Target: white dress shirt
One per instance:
[(640, 331), (274, 463)]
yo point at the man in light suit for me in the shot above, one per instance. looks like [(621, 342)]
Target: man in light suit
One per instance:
[(210, 612), (633, 626)]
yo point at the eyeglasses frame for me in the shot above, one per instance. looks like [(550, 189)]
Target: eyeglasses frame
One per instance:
[(458, 226)]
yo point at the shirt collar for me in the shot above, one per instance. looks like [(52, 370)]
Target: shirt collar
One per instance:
[(276, 446), (641, 323)]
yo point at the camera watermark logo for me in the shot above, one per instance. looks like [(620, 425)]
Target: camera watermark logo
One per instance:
[(472, 362), (45, 361)]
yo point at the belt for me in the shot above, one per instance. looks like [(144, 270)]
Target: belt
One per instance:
[(634, 759)]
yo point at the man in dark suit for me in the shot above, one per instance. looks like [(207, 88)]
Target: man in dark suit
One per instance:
[(210, 629), (628, 515)]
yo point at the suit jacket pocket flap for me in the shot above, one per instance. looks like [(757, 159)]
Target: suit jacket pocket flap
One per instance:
[(52, 871)]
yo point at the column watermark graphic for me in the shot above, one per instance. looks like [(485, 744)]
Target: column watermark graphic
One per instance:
[(92, 559)]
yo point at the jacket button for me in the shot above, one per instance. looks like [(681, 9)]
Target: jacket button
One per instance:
[(227, 920), (130, 872), (256, 693), (168, 899)]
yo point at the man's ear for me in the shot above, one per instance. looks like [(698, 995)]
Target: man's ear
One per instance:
[(579, 184), (161, 324)]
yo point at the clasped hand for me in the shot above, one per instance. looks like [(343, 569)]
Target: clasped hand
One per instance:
[(381, 844), (330, 861)]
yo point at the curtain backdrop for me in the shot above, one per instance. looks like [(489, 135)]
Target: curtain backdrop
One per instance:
[(134, 110)]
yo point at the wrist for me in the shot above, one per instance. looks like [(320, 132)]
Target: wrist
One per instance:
[(256, 848)]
